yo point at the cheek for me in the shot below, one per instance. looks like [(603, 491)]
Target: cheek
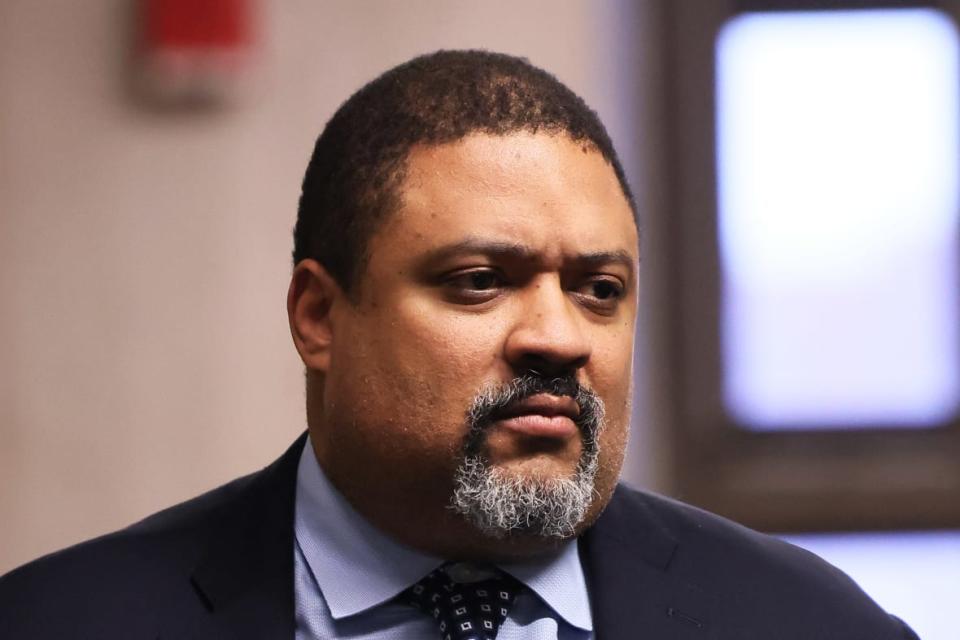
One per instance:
[(414, 367), (611, 376), (455, 349), (610, 370)]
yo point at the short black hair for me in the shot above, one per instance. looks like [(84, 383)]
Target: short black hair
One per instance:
[(352, 180)]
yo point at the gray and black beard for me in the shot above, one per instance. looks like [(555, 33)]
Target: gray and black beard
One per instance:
[(499, 503)]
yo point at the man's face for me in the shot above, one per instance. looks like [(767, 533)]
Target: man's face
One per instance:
[(508, 255)]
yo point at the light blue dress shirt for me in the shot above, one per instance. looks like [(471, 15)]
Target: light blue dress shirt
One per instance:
[(346, 574)]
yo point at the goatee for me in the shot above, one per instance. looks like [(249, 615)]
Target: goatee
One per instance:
[(500, 504)]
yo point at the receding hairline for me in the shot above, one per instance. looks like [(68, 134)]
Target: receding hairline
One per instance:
[(400, 171)]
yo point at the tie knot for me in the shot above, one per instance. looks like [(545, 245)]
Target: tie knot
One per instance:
[(467, 603)]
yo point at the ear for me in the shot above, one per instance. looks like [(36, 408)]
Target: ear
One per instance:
[(311, 296)]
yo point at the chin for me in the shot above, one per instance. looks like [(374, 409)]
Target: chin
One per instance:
[(540, 503)]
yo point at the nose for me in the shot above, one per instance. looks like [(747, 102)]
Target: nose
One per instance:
[(548, 335)]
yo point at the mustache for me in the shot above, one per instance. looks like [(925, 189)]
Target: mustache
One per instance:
[(494, 400)]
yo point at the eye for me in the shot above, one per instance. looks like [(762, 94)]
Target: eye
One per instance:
[(601, 293), (481, 280), (606, 289), (474, 286)]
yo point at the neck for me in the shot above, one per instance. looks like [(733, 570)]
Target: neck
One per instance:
[(415, 512)]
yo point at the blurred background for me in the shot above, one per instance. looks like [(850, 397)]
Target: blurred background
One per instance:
[(796, 163)]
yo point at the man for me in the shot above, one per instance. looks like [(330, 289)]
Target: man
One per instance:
[(463, 298)]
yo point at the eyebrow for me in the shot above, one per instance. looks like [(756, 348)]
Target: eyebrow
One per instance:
[(521, 252)]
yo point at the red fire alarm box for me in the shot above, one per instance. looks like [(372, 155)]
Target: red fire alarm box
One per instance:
[(194, 52)]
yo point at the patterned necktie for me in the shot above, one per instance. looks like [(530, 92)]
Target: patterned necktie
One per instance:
[(469, 609)]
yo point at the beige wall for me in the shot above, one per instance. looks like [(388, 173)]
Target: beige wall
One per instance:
[(144, 256)]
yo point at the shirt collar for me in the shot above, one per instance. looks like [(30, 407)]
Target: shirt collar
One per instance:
[(358, 567), (558, 580)]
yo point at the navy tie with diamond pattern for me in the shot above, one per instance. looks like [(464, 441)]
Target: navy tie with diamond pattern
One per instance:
[(471, 610)]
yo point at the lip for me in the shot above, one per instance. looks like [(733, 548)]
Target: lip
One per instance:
[(541, 416)]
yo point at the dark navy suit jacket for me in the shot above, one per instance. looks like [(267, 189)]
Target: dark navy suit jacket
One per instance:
[(221, 566)]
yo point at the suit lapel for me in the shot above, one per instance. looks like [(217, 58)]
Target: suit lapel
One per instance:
[(245, 578), (633, 593)]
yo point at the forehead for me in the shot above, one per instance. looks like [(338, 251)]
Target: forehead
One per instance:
[(547, 192)]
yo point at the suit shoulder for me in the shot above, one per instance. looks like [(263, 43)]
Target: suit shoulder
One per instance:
[(747, 569), (135, 582), (174, 526), (712, 540), (118, 574)]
